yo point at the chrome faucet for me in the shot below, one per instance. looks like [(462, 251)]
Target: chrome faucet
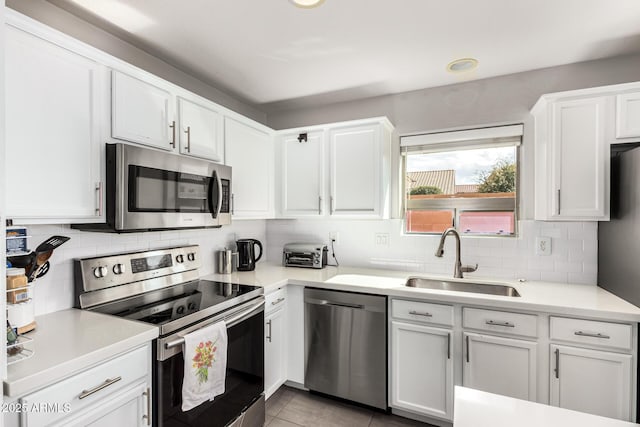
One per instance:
[(458, 268)]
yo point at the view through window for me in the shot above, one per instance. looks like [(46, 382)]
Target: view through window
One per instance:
[(470, 187)]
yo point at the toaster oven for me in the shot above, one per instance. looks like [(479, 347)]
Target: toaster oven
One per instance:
[(310, 255)]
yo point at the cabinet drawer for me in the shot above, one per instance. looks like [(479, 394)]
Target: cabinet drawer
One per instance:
[(504, 322), (75, 394), (424, 312), (603, 334), (275, 300)]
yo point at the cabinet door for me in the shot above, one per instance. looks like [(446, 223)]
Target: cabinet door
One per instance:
[(53, 149), (274, 351), (200, 130), (356, 168), (628, 115), (128, 407), (421, 369), (592, 381), (250, 152), (580, 160), (140, 112), (303, 175), (500, 365)]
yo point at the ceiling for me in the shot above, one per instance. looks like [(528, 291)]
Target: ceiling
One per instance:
[(269, 53)]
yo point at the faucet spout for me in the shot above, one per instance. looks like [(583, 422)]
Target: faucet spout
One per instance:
[(457, 270)]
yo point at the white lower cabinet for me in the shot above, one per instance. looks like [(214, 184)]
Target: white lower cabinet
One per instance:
[(593, 381), (116, 392), (499, 365), (422, 369), (275, 341)]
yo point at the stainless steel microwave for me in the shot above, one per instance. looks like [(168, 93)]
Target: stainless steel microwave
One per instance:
[(151, 190)]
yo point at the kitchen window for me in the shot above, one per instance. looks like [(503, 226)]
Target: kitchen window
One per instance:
[(464, 179)]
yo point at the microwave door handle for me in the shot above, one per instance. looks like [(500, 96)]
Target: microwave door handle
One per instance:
[(219, 207), (214, 181)]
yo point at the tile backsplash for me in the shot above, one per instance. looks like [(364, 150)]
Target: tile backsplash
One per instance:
[(370, 243), (381, 244), (54, 291)]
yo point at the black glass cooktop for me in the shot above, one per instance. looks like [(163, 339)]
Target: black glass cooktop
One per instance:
[(169, 304)]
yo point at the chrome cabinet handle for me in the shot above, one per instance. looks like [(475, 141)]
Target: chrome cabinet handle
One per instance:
[(278, 301), (233, 207), (319, 205), (331, 205), (148, 415), (558, 201), (99, 197), (173, 134), (417, 313), (467, 339), (494, 323), (592, 335), (269, 333), (105, 384), (557, 370), (449, 345), (188, 132)]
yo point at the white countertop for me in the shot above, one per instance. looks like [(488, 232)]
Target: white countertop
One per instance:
[(475, 408), (555, 298), (69, 341)]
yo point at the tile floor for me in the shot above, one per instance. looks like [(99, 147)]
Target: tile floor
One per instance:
[(289, 407)]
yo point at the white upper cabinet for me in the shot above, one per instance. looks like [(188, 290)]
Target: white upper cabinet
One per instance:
[(140, 112), (200, 130), (250, 152), (303, 174), (54, 100), (341, 169), (628, 115), (573, 159), (355, 155)]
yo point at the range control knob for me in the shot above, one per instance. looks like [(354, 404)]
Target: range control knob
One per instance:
[(100, 272), (191, 306), (180, 259), (191, 256), (119, 269), (180, 309)]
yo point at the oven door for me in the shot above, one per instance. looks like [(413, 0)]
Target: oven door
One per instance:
[(244, 383), (156, 190)]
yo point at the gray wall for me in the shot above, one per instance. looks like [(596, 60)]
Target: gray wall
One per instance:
[(499, 99), (65, 22)]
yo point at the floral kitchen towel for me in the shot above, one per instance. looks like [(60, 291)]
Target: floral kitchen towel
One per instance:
[(205, 365)]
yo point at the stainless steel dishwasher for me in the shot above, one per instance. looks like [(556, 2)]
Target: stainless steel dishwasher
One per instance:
[(346, 345)]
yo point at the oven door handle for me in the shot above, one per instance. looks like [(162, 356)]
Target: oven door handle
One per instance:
[(230, 321)]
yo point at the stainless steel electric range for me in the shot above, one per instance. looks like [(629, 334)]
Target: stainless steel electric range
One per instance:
[(162, 287)]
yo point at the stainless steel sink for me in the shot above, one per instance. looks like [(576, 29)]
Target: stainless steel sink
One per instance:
[(478, 288)]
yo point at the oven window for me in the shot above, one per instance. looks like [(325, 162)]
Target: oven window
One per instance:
[(157, 190), (244, 381)]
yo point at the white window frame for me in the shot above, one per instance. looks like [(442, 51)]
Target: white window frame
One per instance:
[(486, 137)]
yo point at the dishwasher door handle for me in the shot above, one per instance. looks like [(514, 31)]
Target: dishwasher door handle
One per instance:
[(342, 304)]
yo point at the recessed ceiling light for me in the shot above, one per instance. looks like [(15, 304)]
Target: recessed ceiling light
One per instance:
[(462, 65), (307, 4)]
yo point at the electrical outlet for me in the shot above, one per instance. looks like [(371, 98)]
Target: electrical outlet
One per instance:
[(334, 235), (543, 246), (382, 239)]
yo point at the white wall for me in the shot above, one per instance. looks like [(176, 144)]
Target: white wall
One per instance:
[(573, 260), (55, 291)]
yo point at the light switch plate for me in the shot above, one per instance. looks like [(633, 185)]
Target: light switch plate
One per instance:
[(333, 236), (543, 246)]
